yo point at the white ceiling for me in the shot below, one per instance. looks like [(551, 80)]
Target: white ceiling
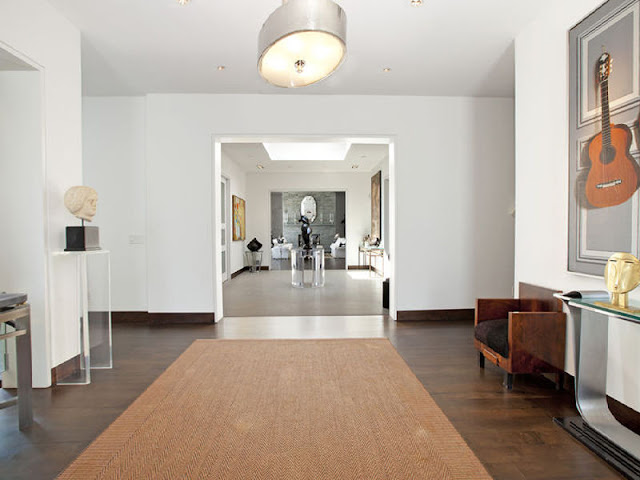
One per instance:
[(249, 155), (444, 47)]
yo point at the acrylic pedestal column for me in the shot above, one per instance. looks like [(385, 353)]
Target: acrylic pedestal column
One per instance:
[(93, 293), (300, 256)]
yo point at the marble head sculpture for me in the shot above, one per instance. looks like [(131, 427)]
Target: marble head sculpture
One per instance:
[(82, 202), (622, 274)]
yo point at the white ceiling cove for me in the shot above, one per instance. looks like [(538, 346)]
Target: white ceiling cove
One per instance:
[(250, 155), (444, 47)]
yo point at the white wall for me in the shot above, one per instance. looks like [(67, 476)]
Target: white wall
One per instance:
[(542, 181), (454, 179), (358, 203), (34, 31), (22, 252), (114, 164), (238, 186)]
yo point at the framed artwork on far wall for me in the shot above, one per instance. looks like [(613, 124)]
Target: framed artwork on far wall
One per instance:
[(376, 205), (604, 137), (239, 227)]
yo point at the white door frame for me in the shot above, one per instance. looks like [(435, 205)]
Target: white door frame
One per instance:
[(42, 300), (224, 225), (217, 139)]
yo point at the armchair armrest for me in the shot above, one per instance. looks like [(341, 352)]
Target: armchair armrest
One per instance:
[(538, 334), (495, 308)]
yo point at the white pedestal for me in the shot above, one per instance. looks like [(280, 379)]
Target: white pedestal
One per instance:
[(93, 284)]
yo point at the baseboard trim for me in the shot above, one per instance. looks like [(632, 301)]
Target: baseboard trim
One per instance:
[(235, 274), (65, 369), (365, 267), (246, 269), (129, 317), (163, 318), (436, 315)]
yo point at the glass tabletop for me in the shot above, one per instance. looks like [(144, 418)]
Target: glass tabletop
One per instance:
[(602, 305)]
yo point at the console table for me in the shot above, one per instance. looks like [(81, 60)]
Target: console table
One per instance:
[(596, 427), (15, 312), (370, 253)]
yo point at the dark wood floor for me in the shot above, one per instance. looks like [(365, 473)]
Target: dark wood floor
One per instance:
[(511, 432)]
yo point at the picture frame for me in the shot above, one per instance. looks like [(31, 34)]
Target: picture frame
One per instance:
[(376, 205), (239, 218), (604, 170)]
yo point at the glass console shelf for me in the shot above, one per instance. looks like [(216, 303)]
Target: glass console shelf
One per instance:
[(596, 427), (93, 287)]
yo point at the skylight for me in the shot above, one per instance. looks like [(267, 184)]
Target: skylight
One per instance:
[(307, 151)]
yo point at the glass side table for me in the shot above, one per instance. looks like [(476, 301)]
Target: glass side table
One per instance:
[(300, 256), (596, 427), (254, 260)]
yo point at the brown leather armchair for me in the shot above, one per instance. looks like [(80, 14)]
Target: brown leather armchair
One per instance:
[(522, 335)]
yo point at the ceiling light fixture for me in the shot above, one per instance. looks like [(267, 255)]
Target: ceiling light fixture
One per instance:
[(386, 70), (183, 2), (416, 3), (221, 67), (260, 166), (354, 166), (302, 42)]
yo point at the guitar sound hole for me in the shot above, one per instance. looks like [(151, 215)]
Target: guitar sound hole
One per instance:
[(607, 155)]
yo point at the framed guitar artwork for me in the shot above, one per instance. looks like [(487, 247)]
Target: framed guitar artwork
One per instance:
[(604, 136)]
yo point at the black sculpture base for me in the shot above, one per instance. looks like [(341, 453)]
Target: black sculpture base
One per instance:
[(81, 239), (626, 464)]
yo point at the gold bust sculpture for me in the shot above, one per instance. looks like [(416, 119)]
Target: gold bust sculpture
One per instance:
[(82, 202), (622, 274)]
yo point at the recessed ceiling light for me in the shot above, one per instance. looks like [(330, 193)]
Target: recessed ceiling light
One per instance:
[(220, 67), (416, 3), (183, 2), (260, 166), (354, 166), (386, 69)]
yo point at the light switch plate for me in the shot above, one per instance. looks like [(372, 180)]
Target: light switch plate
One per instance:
[(136, 239)]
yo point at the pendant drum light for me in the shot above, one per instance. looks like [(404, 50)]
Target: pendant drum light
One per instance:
[(302, 42)]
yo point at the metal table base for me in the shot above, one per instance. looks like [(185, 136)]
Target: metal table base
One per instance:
[(19, 318), (597, 428)]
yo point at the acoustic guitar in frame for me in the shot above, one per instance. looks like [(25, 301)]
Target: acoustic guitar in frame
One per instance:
[(613, 175)]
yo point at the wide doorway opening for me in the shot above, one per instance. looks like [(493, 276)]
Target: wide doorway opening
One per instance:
[(318, 208), (23, 266)]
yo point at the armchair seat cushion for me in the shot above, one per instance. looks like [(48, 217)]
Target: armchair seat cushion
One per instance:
[(495, 335)]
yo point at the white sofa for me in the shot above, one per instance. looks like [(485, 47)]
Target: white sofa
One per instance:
[(281, 251), (339, 248)]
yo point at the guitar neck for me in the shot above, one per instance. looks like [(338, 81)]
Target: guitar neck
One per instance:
[(606, 123)]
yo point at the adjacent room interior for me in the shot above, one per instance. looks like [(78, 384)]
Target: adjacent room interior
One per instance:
[(269, 185), (320, 239)]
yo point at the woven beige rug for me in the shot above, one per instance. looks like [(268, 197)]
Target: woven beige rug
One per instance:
[(282, 409)]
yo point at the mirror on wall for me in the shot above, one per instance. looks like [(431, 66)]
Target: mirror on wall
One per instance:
[(308, 207)]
